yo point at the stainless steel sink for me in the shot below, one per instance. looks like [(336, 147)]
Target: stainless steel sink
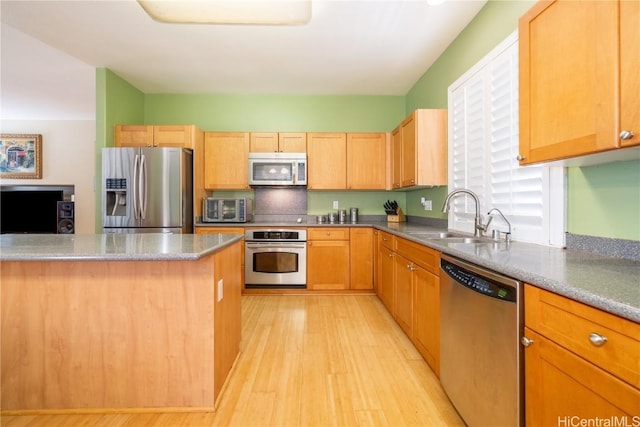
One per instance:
[(433, 235), (474, 240)]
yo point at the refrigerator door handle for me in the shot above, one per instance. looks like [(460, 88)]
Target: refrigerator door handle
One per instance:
[(143, 187), (135, 187)]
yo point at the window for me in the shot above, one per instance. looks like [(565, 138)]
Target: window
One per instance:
[(483, 146)]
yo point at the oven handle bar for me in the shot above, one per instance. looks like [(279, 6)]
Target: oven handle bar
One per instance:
[(275, 245)]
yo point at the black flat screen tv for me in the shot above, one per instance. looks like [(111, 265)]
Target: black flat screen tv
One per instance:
[(31, 209)]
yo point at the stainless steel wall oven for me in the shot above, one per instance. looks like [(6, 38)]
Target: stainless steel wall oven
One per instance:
[(275, 258)]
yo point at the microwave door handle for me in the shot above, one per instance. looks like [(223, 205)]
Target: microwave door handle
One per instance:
[(136, 162), (294, 172)]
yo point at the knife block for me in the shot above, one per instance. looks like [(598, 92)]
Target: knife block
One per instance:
[(399, 217)]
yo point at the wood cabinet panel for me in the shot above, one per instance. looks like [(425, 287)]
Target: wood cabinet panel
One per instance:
[(578, 73), (174, 136), (570, 323), (292, 142), (328, 233), (327, 161), (426, 317), (328, 264), (361, 251), (386, 288), (226, 160), (629, 75), (420, 149), (366, 161), (284, 142), (404, 284), (560, 385), (87, 347), (133, 136), (425, 257)]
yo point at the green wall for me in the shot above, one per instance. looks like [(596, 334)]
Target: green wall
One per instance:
[(284, 113), (604, 200)]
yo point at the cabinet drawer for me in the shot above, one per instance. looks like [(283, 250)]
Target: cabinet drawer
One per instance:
[(425, 257), (570, 324), (387, 240), (328, 233)]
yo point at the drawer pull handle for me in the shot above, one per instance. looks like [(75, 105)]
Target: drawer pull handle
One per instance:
[(526, 341), (597, 339)]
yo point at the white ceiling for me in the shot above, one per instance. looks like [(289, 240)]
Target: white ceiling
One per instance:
[(363, 47)]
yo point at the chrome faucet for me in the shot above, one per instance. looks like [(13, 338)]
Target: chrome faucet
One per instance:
[(496, 233), (479, 227)]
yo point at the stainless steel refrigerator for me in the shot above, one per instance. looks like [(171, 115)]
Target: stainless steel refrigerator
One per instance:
[(147, 190)]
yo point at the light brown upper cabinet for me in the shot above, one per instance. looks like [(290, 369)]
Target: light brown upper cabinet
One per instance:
[(420, 149), (282, 142), (367, 161), (579, 79), (327, 161), (156, 136), (396, 157), (226, 160)]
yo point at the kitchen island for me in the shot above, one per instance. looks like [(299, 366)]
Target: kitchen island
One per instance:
[(118, 321)]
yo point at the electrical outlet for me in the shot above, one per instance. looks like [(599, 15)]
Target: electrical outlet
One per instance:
[(335, 204), (427, 204)]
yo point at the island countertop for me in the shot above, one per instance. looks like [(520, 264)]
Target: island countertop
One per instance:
[(112, 247)]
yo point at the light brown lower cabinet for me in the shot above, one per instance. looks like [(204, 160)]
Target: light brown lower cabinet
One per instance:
[(409, 287), (361, 257), (328, 258), (581, 363)]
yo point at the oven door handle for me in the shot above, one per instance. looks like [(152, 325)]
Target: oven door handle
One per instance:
[(275, 245)]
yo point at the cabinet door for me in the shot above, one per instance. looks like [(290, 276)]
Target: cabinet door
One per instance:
[(385, 286), (263, 142), (361, 250), (408, 148), (324, 253), (226, 160), (133, 136), (403, 282), (173, 136), (426, 317), (629, 74), (396, 158), (327, 159), (568, 79), (560, 387), (366, 161), (292, 142)]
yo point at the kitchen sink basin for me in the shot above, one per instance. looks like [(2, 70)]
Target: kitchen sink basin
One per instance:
[(466, 240), (433, 235)]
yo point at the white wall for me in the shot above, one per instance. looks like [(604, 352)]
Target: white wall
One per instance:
[(45, 91), (68, 158)]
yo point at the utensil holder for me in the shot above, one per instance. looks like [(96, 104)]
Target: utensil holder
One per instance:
[(398, 217)]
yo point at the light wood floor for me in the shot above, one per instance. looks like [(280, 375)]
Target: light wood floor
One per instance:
[(308, 361)]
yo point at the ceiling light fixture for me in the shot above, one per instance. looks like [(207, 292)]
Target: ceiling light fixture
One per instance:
[(239, 12)]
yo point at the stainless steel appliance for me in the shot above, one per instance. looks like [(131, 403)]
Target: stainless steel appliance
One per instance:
[(226, 210), (275, 258), (278, 168), (481, 365), (147, 190)]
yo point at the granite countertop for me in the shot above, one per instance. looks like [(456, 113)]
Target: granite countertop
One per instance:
[(607, 283), (112, 247), (610, 284)]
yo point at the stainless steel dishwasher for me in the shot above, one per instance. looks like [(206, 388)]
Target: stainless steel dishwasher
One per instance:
[(481, 365)]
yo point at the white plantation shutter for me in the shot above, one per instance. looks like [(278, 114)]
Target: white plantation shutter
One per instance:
[(483, 146)]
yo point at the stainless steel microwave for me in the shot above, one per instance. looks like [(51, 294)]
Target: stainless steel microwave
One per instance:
[(279, 169), (226, 210)]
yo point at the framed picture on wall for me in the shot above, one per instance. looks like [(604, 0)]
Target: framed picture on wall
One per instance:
[(21, 156)]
